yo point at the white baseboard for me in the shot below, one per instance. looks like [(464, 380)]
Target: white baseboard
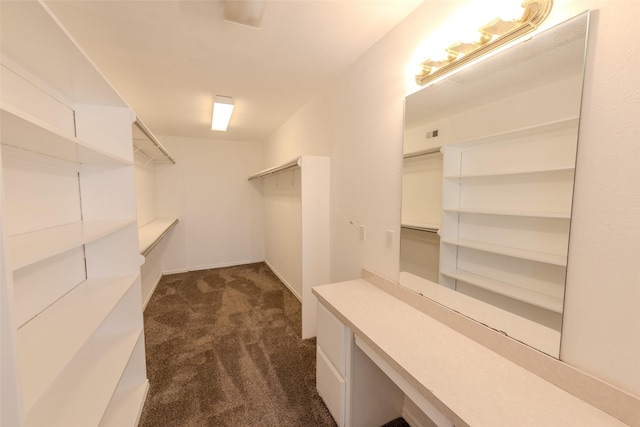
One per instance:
[(207, 267), (153, 289), (283, 280)]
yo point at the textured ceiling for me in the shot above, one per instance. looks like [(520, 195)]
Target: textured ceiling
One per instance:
[(168, 59)]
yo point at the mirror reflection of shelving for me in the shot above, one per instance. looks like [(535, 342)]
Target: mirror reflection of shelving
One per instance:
[(506, 215), (421, 214)]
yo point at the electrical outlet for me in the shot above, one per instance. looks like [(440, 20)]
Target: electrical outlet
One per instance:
[(389, 238), (363, 233)]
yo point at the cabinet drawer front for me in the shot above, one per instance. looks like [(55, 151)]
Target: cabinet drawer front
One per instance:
[(332, 337), (331, 387)]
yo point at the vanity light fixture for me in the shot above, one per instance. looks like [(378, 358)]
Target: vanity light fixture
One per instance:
[(222, 109), (489, 37)]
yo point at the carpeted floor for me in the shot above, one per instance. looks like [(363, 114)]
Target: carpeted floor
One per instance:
[(224, 349)]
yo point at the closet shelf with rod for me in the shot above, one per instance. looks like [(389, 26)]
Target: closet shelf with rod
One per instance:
[(295, 163), (146, 142)]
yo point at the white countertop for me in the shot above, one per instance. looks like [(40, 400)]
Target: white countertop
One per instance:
[(481, 387)]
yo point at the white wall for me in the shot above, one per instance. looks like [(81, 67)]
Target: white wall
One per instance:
[(146, 191), (283, 226), (357, 121), (220, 211)]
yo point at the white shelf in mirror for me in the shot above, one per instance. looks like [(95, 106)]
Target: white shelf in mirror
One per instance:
[(421, 226), (513, 173), (508, 289), (533, 214), (22, 130), (548, 258), (44, 351), (82, 394), (29, 248), (567, 123)]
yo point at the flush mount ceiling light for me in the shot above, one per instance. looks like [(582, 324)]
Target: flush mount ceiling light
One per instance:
[(244, 12), (489, 37), (222, 109)]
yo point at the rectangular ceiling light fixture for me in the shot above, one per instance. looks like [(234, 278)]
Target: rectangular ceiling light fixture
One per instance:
[(222, 109)]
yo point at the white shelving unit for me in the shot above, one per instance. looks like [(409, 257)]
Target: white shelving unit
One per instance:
[(72, 332), (506, 214), (150, 234)]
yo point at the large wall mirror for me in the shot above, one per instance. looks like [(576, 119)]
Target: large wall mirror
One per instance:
[(489, 166)]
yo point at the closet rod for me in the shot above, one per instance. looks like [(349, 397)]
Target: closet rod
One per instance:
[(281, 168), (153, 139), (423, 152), (425, 229)]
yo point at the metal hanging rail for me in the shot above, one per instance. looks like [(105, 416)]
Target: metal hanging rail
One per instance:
[(418, 228), (276, 169), (423, 152), (153, 139)]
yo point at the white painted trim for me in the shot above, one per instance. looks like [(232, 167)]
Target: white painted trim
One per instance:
[(283, 280), (153, 289)]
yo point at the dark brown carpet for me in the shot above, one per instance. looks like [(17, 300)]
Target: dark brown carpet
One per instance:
[(224, 349)]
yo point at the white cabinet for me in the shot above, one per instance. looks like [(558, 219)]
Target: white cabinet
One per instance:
[(506, 213), (331, 363), (72, 332)]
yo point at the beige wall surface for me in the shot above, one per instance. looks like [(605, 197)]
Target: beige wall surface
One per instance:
[(220, 211), (357, 121)]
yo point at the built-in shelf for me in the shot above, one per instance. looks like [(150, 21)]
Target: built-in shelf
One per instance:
[(532, 214), (124, 408), (544, 301), (430, 228), (73, 322), (149, 235), (29, 248), (547, 258), (82, 395), (146, 142), (568, 123), (21, 130), (513, 173), (295, 163), (45, 351)]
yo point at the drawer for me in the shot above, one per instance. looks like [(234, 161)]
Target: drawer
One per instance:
[(332, 338), (331, 387)]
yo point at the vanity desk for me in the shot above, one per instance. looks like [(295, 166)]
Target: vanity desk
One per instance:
[(375, 351)]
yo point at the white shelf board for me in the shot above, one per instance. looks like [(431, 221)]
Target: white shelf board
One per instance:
[(47, 343), (295, 163), (510, 251), (512, 173), (82, 395), (151, 233), (558, 125), (421, 226), (511, 291), (29, 248), (29, 133), (52, 54), (125, 408), (541, 214)]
